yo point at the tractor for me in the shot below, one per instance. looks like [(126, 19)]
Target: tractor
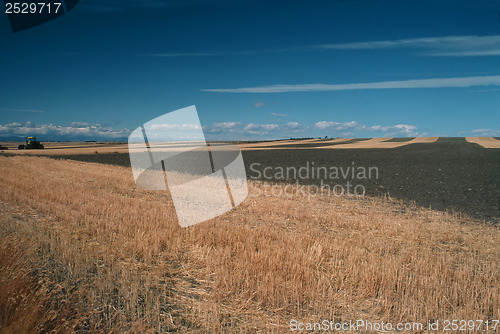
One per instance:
[(31, 144)]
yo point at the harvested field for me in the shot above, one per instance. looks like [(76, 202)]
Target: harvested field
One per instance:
[(97, 254), (335, 141), (449, 174), (63, 148), (486, 142), (305, 144), (400, 139), (339, 143), (368, 143), (382, 143), (52, 148), (276, 143)]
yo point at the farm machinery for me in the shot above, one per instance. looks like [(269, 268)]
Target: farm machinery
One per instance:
[(31, 144)]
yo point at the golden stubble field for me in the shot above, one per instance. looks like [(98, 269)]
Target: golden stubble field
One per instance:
[(83, 250)]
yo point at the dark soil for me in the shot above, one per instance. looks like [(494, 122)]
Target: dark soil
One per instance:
[(399, 140), (450, 174), (316, 144), (120, 159)]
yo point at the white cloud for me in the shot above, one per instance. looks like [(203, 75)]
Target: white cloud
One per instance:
[(324, 124), (351, 128), (223, 127), (493, 80), (397, 130), (259, 104), (170, 127), (441, 46), (221, 130), (79, 124), (294, 127), (278, 114), (226, 125), (75, 131), (457, 46), (20, 110), (400, 127), (338, 126), (260, 128), (236, 130)]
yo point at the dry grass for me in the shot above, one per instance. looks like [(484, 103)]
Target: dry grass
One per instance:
[(370, 143), (486, 142), (284, 143), (55, 148), (335, 141), (82, 249), (381, 143)]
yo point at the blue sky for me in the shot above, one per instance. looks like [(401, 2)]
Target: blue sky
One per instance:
[(256, 69)]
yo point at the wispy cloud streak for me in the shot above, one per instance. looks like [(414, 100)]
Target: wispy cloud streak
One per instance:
[(486, 132), (445, 46), (225, 53), (455, 46), (493, 80), (184, 54), (20, 110)]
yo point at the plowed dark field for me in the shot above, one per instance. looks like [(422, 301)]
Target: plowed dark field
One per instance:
[(450, 174)]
